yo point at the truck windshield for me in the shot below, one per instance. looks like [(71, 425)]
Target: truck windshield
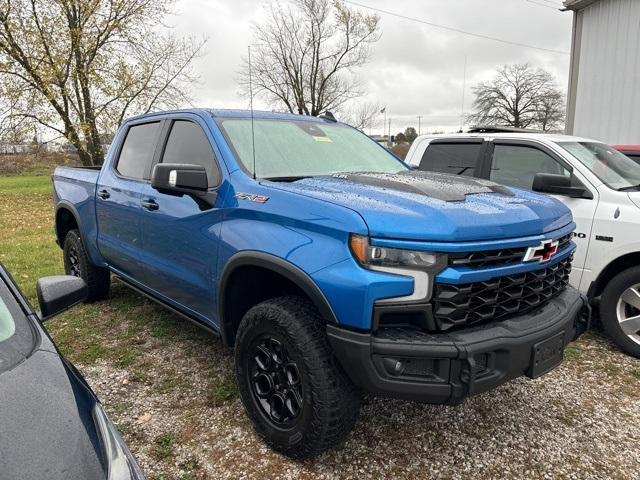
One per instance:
[(612, 167), (16, 338), (289, 150)]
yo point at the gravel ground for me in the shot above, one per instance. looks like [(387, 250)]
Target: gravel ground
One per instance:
[(580, 421)]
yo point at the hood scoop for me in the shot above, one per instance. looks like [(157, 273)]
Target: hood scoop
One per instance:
[(441, 186)]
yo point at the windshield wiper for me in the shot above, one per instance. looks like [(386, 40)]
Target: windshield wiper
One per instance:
[(287, 179), (632, 187)]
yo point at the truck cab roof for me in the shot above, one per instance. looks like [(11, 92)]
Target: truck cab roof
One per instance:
[(541, 137), (233, 113)]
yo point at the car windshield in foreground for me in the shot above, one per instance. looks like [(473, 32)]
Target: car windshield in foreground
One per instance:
[(612, 167), (287, 150), (16, 337)]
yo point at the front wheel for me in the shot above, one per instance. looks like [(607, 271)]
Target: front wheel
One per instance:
[(297, 396), (620, 310), (77, 263)]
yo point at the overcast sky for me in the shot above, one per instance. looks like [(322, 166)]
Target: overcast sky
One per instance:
[(415, 69)]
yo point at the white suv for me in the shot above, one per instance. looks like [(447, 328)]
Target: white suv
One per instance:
[(600, 186)]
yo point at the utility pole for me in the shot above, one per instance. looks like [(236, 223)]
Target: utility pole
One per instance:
[(464, 86), (384, 125), (419, 123)]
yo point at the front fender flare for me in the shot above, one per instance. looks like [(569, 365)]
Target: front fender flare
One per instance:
[(279, 266)]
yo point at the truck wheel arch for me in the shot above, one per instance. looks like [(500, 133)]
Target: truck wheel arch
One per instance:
[(66, 220), (264, 265), (611, 270)]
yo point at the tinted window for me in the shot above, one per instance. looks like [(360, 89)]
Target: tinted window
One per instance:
[(634, 156), (187, 144), (16, 338), (137, 150), (456, 158), (516, 165)]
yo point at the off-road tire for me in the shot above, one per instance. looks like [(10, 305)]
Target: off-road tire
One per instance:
[(77, 263), (609, 306), (330, 402)]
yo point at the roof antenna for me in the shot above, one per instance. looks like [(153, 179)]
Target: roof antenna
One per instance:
[(253, 135)]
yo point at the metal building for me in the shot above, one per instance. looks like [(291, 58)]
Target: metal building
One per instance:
[(604, 78)]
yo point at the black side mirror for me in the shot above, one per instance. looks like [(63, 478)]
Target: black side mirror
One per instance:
[(179, 179), (560, 185), (59, 293)]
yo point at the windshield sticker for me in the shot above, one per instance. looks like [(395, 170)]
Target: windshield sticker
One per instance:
[(323, 139)]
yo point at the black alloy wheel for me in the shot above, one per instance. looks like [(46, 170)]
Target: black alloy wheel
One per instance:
[(275, 381)]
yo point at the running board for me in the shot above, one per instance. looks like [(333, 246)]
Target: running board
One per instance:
[(172, 309)]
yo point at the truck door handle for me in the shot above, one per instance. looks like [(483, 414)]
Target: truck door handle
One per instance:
[(150, 204), (104, 194)]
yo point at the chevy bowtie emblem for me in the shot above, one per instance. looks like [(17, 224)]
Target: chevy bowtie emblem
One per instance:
[(541, 253)]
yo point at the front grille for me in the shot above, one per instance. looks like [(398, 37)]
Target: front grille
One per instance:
[(499, 298), (491, 258)]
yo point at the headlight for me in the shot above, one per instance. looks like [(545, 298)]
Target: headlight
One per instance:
[(419, 265), (372, 256), (120, 462)]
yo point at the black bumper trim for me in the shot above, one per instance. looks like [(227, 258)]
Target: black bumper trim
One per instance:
[(444, 368)]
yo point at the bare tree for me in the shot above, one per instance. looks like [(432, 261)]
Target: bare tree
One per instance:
[(81, 66), (551, 112), (305, 54), (360, 115), (516, 96)]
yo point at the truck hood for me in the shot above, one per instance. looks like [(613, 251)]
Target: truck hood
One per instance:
[(436, 207)]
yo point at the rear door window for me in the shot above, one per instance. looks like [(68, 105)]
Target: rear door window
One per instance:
[(188, 144), (456, 158), (137, 151), (516, 165)]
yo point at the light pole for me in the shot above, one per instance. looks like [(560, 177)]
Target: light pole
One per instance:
[(419, 123)]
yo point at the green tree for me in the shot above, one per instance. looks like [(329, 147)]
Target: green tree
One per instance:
[(410, 134), (78, 67)]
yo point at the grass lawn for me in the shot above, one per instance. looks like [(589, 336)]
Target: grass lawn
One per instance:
[(125, 331), (169, 387), (29, 251)]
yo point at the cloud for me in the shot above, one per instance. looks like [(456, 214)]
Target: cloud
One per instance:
[(414, 69)]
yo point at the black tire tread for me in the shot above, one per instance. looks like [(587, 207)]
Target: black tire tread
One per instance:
[(98, 279), (608, 304), (336, 401)]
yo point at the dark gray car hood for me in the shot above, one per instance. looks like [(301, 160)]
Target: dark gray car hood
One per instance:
[(47, 430)]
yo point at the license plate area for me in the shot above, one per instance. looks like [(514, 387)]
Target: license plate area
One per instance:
[(546, 355)]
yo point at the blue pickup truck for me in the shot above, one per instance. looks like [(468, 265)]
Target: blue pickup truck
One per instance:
[(328, 265)]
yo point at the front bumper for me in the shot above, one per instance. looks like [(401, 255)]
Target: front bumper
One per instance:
[(444, 368)]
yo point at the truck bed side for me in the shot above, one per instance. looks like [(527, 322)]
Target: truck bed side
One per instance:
[(74, 195)]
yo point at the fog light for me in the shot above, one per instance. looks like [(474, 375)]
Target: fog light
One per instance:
[(393, 366)]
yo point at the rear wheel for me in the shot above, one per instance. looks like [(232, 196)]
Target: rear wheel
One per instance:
[(620, 310), (297, 396), (77, 263)]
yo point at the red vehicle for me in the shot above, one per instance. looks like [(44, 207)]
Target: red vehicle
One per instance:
[(631, 151)]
